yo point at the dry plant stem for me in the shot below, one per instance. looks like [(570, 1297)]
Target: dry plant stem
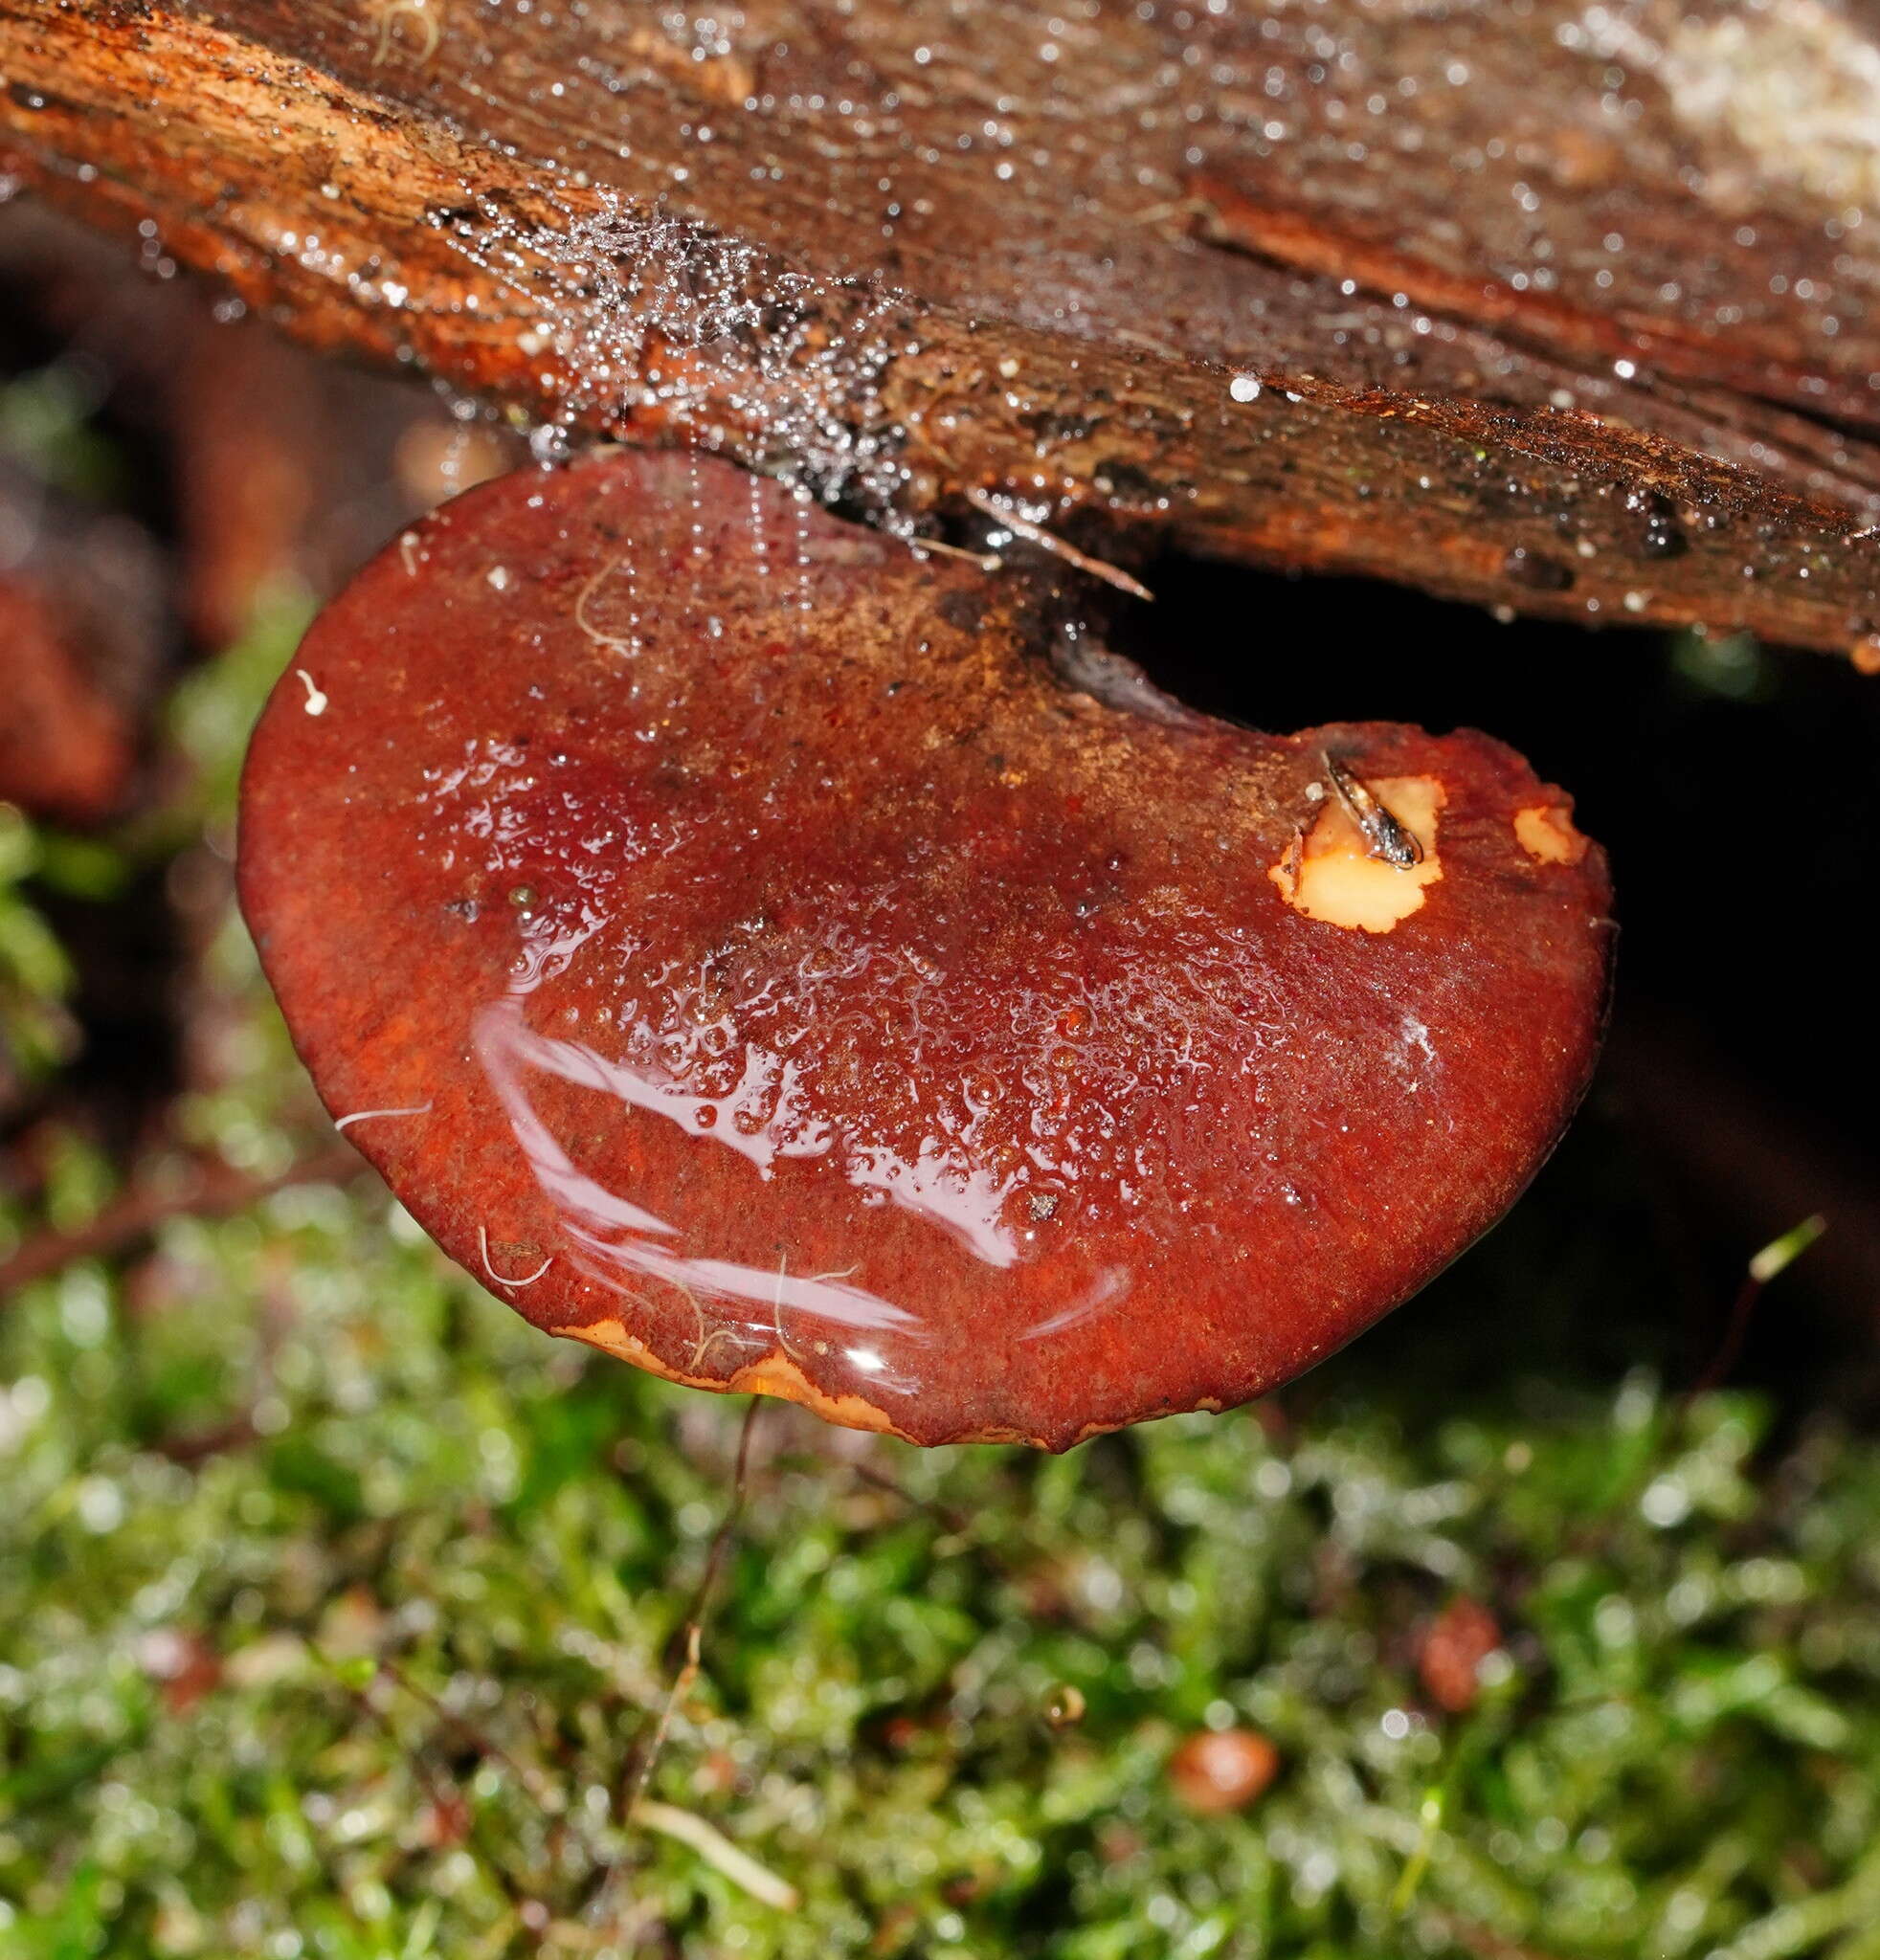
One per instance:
[(986, 561), (1762, 1268), (1048, 541), (719, 1852), (1399, 441), (479, 1739), (723, 1537), (521, 1900), (211, 1190), (951, 1520), (645, 1756), (955, 1523), (1717, 1370), (1747, 1158)]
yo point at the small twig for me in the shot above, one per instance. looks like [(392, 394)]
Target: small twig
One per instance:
[(211, 1190), (479, 1738), (522, 1901), (986, 561), (1160, 213), (719, 1852), (187, 1450), (720, 1543), (948, 1519), (644, 1757), (434, 1784), (1774, 1257), (1037, 534)]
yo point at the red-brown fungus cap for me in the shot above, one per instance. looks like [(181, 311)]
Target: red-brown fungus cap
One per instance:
[(739, 946)]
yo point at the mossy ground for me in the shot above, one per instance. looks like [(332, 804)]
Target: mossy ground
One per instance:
[(335, 1598)]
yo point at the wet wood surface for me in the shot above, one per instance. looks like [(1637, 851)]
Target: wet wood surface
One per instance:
[(1563, 312)]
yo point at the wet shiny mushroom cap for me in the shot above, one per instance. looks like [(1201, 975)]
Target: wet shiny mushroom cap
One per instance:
[(755, 950)]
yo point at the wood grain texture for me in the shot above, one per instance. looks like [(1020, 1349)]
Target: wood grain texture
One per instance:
[(1577, 325)]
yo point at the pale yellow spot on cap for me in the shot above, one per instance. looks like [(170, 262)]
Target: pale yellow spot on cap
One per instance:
[(1545, 832), (1331, 874)]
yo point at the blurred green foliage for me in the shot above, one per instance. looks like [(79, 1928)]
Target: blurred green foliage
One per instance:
[(336, 1598), (48, 425), (36, 1031)]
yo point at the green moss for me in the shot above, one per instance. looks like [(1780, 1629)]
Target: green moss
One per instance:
[(35, 1032), (1676, 1754), (336, 1600)]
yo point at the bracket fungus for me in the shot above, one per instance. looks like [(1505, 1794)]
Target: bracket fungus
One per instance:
[(804, 966)]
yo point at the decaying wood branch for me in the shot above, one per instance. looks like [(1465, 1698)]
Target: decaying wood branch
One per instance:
[(1560, 311), (207, 1190)]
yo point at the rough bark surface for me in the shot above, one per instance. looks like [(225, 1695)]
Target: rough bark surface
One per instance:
[(1564, 310)]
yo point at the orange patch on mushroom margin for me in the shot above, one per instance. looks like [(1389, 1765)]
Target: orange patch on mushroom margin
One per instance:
[(776, 1374)]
